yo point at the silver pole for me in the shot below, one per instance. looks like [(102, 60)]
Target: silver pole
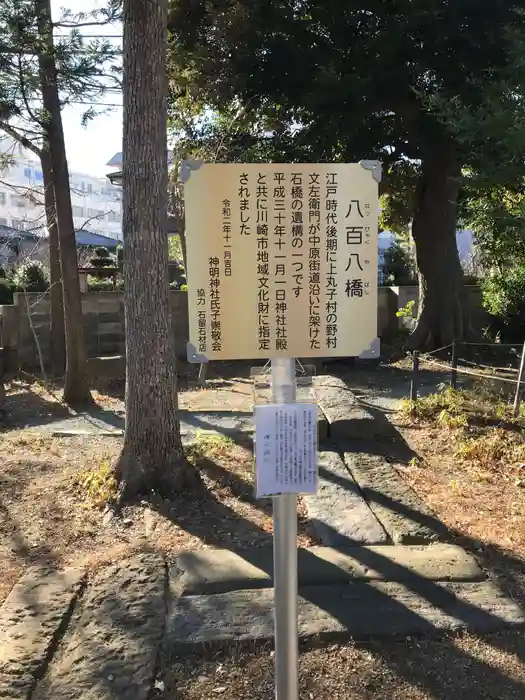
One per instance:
[(517, 395), (285, 558)]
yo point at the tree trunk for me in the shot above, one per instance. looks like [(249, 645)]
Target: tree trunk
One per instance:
[(444, 314), (58, 358), (76, 387), (152, 456)]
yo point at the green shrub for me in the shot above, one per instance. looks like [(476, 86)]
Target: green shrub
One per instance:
[(102, 252), (6, 291), (504, 299), (31, 276), (96, 284), (102, 258), (398, 266)]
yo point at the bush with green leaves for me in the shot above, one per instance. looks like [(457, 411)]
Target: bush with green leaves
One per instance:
[(398, 266), (102, 258), (6, 291), (31, 276), (504, 299)]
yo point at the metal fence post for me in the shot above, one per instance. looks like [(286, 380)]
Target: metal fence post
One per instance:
[(517, 396), (454, 365), (415, 379)]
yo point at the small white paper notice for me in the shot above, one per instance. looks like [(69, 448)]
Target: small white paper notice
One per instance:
[(286, 448)]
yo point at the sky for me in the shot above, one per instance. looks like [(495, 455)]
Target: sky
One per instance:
[(90, 148)]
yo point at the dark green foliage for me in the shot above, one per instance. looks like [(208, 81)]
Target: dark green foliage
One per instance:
[(398, 266), (385, 81), (87, 68), (504, 299), (31, 276), (102, 258), (435, 89), (102, 252), (7, 289)]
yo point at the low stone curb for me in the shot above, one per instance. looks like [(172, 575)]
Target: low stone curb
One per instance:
[(405, 517), (207, 571), (347, 420), (31, 619), (358, 611), (112, 648), (338, 512)]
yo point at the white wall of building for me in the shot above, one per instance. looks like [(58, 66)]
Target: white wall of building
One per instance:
[(97, 204)]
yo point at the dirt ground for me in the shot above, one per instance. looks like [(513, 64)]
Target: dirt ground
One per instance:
[(49, 515), (451, 668), (469, 466)]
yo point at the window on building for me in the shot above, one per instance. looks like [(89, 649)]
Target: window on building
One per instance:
[(78, 211), (3, 222), (18, 224), (27, 173), (114, 216), (90, 188), (18, 201), (2, 197)]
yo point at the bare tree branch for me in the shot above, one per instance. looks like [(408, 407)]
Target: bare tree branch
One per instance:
[(25, 142), (97, 216), (23, 91)]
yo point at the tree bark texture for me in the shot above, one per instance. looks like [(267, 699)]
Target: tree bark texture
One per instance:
[(76, 387), (444, 314), (152, 458), (58, 350)]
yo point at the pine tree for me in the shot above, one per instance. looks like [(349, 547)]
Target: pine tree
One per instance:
[(42, 75)]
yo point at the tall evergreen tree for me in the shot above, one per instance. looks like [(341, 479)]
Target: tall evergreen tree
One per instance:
[(42, 75), (403, 81)]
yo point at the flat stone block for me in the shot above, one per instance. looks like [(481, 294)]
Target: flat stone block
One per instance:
[(405, 517), (109, 329), (115, 337), (357, 610), (338, 512), (29, 620), (110, 317), (112, 649), (347, 420), (206, 571)]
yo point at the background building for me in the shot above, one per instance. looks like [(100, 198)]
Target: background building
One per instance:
[(97, 204)]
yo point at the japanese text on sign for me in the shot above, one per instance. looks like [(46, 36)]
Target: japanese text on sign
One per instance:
[(282, 259), (286, 448)]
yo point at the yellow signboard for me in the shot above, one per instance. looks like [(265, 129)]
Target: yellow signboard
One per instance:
[(282, 259)]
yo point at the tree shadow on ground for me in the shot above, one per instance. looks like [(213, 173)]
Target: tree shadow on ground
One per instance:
[(380, 604), (194, 512), (28, 409)]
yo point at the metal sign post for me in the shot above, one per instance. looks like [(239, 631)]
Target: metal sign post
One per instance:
[(289, 270), (285, 557)]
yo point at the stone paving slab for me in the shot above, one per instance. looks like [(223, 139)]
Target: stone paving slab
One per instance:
[(347, 419), (30, 622), (207, 571), (338, 512), (358, 611), (112, 648), (405, 517), (110, 424)]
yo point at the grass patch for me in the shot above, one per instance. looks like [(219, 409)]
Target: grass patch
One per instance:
[(207, 445), (484, 434), (99, 484), (442, 406)]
